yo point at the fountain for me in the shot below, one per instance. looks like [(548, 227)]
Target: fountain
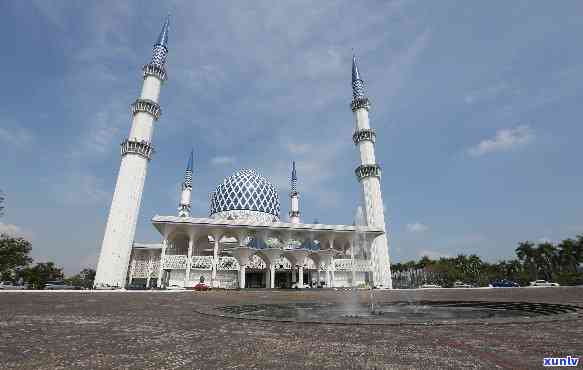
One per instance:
[(407, 306)]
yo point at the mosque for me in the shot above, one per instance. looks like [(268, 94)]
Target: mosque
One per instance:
[(242, 243)]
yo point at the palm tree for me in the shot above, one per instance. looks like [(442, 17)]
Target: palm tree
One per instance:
[(567, 257), (525, 253), (546, 257)]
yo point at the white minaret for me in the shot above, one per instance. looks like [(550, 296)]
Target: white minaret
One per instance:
[(185, 196), (369, 176), (294, 213), (136, 152)]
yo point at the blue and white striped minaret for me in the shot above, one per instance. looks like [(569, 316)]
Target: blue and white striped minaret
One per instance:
[(369, 176), (185, 196), (294, 213), (136, 152)]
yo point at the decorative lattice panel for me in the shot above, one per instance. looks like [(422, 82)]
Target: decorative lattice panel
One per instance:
[(228, 263), (255, 262), (283, 264), (202, 262), (177, 261), (141, 269)]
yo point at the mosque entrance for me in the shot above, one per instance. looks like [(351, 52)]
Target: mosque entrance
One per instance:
[(283, 279), (255, 279)]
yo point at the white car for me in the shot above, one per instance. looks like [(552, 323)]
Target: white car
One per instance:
[(175, 287), (7, 285), (59, 285), (430, 286), (296, 285), (459, 284), (543, 283)]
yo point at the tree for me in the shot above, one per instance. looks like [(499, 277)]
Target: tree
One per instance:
[(546, 259), (2, 199), (83, 279), (526, 253), (39, 274), (14, 255)]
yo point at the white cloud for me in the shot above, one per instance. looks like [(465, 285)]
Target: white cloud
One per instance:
[(295, 148), (223, 160), (417, 227), (16, 136), (545, 239), (81, 189), (10, 229), (15, 231), (505, 140)]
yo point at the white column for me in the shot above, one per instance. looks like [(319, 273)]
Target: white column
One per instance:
[(162, 255), (214, 282), (242, 276), (352, 258), (189, 261), (132, 269), (301, 276), (272, 275), (150, 267)]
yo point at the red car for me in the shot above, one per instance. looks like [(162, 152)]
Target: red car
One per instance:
[(201, 287)]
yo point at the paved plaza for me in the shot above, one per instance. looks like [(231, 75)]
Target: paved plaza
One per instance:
[(170, 330)]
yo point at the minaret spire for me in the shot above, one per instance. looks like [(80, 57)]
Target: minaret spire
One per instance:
[(369, 176), (160, 50), (136, 153), (358, 90), (163, 38), (294, 213), (185, 197)]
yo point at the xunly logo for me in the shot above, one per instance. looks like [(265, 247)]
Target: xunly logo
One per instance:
[(560, 361)]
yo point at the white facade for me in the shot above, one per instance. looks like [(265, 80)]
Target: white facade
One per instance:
[(224, 254), (242, 243)]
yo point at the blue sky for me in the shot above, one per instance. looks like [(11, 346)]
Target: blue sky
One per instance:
[(476, 106)]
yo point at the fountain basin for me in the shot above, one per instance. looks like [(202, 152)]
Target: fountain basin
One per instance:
[(401, 313)]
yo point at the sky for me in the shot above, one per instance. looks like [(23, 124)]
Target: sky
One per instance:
[(476, 105)]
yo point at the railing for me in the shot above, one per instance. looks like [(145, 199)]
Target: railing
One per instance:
[(346, 265), (180, 262)]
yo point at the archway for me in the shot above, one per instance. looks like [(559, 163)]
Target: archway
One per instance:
[(283, 273), (256, 272)]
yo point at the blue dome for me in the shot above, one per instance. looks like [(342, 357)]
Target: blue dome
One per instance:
[(245, 194)]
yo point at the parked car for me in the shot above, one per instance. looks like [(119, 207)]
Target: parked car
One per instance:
[(135, 286), (201, 287), (503, 283), (175, 287), (59, 285), (296, 286), (543, 283), (430, 286), (8, 285), (459, 284)]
